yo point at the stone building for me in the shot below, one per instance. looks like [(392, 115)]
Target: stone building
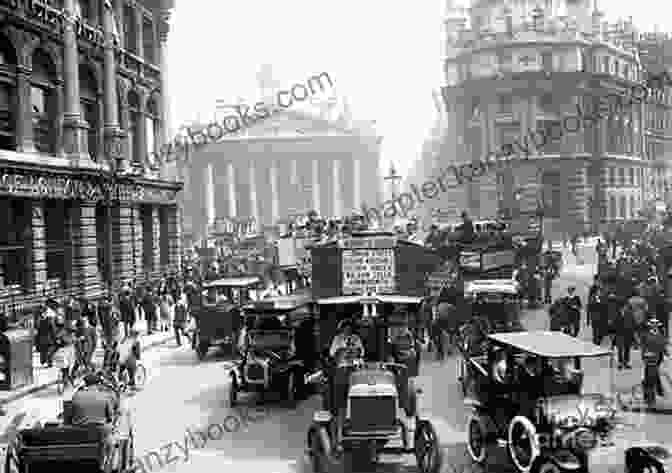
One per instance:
[(282, 166), (515, 66), (81, 105)]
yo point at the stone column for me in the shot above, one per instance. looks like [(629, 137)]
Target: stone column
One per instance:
[(24, 125), (166, 128), (119, 13), (60, 106), (140, 155), (113, 148), (74, 127), (210, 211), (38, 255), (174, 237), (85, 274), (122, 242), (336, 186), (275, 197), (356, 178), (254, 204), (316, 186), (231, 188)]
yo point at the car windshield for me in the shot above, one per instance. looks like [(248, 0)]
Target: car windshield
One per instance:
[(270, 339)]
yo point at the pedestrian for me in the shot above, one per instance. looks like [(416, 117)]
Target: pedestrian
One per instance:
[(107, 321), (46, 337), (573, 304), (167, 311), (85, 344), (126, 309), (596, 316), (139, 297), (129, 354), (180, 320), (624, 329), (438, 338), (549, 275), (149, 308)]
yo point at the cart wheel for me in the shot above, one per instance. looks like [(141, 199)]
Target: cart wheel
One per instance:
[(427, 449), (321, 460), (233, 392), (523, 444), (11, 462), (477, 438)]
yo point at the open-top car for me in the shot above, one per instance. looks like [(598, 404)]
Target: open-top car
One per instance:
[(218, 317), (528, 392), (370, 400), (279, 348), (61, 446)]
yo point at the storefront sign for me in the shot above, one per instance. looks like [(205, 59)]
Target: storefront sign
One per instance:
[(368, 271), (380, 242), (55, 19), (68, 187)]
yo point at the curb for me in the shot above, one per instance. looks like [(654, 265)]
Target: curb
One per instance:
[(40, 387)]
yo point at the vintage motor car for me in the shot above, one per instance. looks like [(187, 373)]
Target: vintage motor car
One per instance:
[(218, 318), (528, 392), (379, 399), (279, 350), (59, 446)]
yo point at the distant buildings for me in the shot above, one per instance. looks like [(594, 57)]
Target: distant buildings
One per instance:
[(282, 166), (520, 68)]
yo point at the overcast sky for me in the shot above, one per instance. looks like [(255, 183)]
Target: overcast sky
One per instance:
[(384, 55)]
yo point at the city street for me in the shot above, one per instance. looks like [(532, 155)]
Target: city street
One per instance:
[(182, 393)]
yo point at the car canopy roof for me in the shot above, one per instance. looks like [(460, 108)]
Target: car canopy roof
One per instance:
[(499, 286), (242, 281), (549, 344), (378, 299), (281, 303)]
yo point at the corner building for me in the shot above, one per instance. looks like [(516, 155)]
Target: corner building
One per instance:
[(520, 67), (81, 104)]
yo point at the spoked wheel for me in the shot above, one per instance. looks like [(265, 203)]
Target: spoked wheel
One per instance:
[(12, 462), (427, 449), (523, 444), (321, 460), (477, 436)]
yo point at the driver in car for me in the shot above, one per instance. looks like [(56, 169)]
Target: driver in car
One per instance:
[(346, 342)]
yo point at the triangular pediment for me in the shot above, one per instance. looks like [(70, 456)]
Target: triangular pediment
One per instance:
[(290, 124)]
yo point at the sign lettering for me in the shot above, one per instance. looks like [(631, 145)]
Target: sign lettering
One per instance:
[(368, 271)]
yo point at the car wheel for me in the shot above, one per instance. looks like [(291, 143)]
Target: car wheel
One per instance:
[(320, 451), (522, 444), (427, 449), (477, 437)]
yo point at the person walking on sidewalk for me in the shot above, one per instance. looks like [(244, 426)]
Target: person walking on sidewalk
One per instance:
[(180, 321), (625, 327), (167, 311), (149, 308), (46, 336), (127, 309), (129, 355)]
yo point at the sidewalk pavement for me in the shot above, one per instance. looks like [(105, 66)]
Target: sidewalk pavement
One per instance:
[(44, 377)]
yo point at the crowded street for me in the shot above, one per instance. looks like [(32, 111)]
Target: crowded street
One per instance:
[(267, 436)]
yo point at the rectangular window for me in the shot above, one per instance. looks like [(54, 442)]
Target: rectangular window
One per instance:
[(147, 238), (612, 177), (15, 241), (632, 177), (617, 68), (102, 242), (130, 30), (149, 127), (90, 115), (148, 41), (606, 65), (134, 138), (7, 100), (552, 193), (42, 102), (58, 240), (164, 245)]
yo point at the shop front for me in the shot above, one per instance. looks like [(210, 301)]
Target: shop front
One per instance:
[(81, 234)]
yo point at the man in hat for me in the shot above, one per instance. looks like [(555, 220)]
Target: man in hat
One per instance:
[(129, 354), (127, 309), (573, 305)]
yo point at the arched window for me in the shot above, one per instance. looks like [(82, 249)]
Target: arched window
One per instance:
[(152, 127), (8, 102), (43, 102), (134, 117), (88, 96)]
